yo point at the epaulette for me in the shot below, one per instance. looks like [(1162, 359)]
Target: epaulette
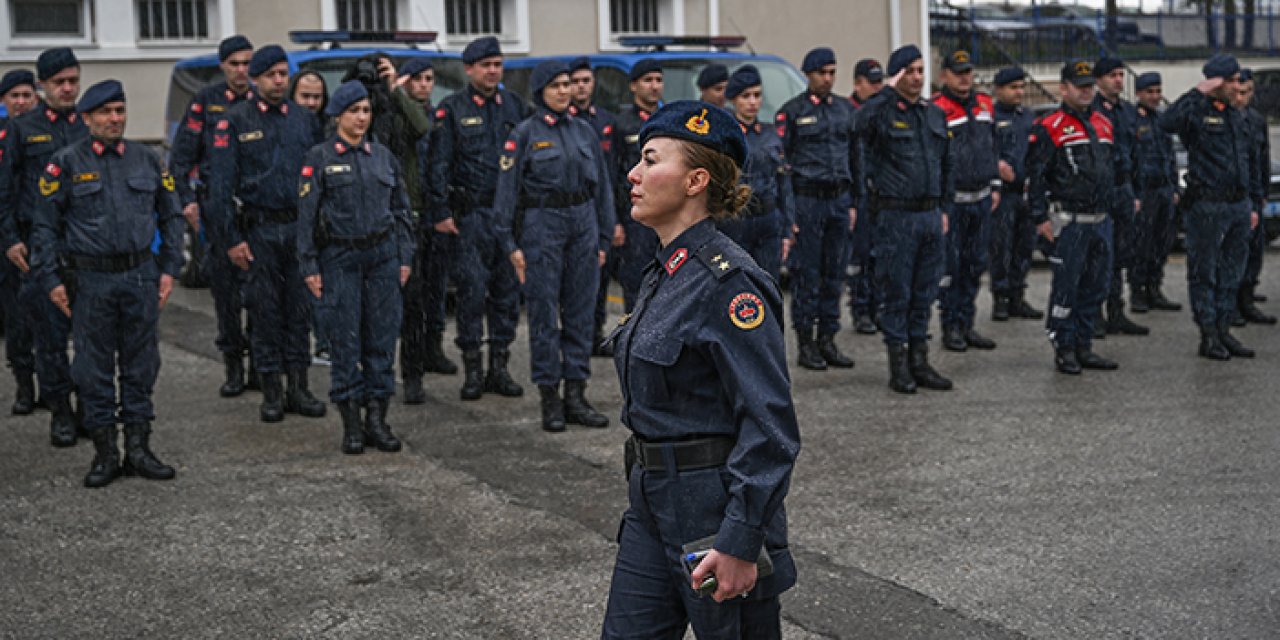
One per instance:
[(715, 257)]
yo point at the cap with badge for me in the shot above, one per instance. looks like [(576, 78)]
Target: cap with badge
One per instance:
[(818, 58), (1079, 73), (1147, 80), (414, 66), (901, 58), (16, 78), (265, 58), (644, 67), (1221, 65), (99, 94), (351, 92), (232, 45), (698, 122), (743, 78), (869, 69), (481, 48), (958, 61), (712, 75), (1009, 75), (51, 61)]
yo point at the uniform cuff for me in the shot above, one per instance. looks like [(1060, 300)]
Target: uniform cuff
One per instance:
[(508, 243), (739, 540)]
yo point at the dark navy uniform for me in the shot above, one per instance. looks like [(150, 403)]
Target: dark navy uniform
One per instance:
[(1261, 158), (641, 241), (603, 123), (1155, 178), (554, 171), (103, 206), (1013, 236), (860, 270), (768, 218), (1123, 117), (706, 311)]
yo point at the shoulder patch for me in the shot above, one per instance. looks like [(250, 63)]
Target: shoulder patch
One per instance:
[(714, 257), (48, 187), (746, 311)]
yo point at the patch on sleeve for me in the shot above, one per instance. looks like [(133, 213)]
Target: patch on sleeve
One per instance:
[(53, 170), (441, 114), (168, 182), (308, 171), (746, 311), (304, 190), (506, 162), (49, 187), (510, 145)]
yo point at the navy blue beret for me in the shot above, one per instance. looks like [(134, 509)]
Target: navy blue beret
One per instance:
[(1146, 80), (1079, 73), (481, 48), (712, 75), (1221, 65), (817, 59), (544, 73), (701, 123), (100, 94), (415, 65), (265, 58), (642, 67), (579, 63), (901, 57), (958, 61), (351, 92), (1009, 75), (1246, 75), (1105, 65), (16, 78), (231, 45), (744, 78), (51, 61), (870, 69)]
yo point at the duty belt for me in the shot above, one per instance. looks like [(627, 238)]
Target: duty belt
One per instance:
[(971, 197), (555, 200), (879, 203), (461, 200), (254, 216), (1201, 194), (118, 263), (360, 244), (1069, 217), (690, 455), (818, 189)]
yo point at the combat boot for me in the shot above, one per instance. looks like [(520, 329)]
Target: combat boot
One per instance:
[(1249, 310), (376, 430), (413, 391), (978, 341), (62, 422), (900, 379), (830, 353), (272, 408), (809, 357), (498, 379), (864, 324), (352, 430), (298, 398), (106, 459), (473, 380), (953, 339), (1161, 303), (1232, 345), (925, 375), (1067, 361), (1139, 299), (1211, 346), (1020, 308), (552, 408), (1090, 360), (576, 408), (435, 360), (24, 393), (234, 384), (138, 459), (1118, 322), (1000, 308)]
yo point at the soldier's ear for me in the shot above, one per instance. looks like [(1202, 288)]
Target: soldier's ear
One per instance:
[(697, 181)]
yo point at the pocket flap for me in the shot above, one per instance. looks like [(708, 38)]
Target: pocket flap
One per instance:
[(659, 351), (142, 183)]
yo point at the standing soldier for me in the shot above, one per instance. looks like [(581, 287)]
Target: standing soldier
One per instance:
[(1124, 204), (911, 188), (105, 200), (712, 81), (471, 126), (1156, 178), (868, 80), (1260, 145), (26, 144), (256, 156), (815, 129), (971, 124), (638, 243), (18, 94), (189, 162), (1013, 236)]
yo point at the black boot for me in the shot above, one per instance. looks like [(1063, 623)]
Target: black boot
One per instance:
[(1249, 310), (24, 393), (576, 408), (436, 361), (953, 339), (552, 408), (1090, 360), (1258, 297), (376, 430), (234, 384), (106, 459), (900, 379), (1211, 346), (1067, 361), (298, 398), (272, 408), (138, 459), (924, 374), (1161, 303), (809, 357), (978, 341), (352, 430), (864, 324), (1020, 308), (413, 391), (830, 353), (1118, 322), (498, 380), (1000, 307), (252, 380), (62, 422), (1099, 327), (473, 381), (1232, 345), (1139, 299)]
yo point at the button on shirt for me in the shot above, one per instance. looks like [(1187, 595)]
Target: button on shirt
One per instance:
[(26, 144), (905, 148)]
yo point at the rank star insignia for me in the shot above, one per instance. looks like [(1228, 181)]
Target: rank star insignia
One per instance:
[(724, 266)]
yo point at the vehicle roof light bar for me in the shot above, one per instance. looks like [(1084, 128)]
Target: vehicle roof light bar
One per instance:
[(660, 43), (338, 37)]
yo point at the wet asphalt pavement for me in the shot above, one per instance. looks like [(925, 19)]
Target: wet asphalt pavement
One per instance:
[(1025, 504)]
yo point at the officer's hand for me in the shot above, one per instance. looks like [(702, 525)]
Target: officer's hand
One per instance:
[(1207, 85), (946, 224), (1006, 172), (404, 275), (853, 218), (893, 79), (1177, 197), (59, 297), (604, 257), (619, 235), (166, 288), (517, 261), (192, 213), (241, 255), (387, 72), (1137, 205), (1045, 229), (315, 285), (446, 226), (734, 577), (1253, 220), (786, 248), (17, 254), (995, 200)]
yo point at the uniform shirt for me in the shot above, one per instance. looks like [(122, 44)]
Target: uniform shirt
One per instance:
[(1124, 120), (551, 154), (102, 200), (350, 192), (626, 154), (1261, 157), (703, 355), (766, 170), (602, 122), (816, 132), (972, 124), (255, 158), (26, 145), (905, 149), (470, 131), (1013, 125), (1155, 163), (1070, 160), (1217, 141), (189, 157)]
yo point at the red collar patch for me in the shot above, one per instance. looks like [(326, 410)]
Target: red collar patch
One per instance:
[(479, 100), (573, 111), (339, 147), (196, 107), (644, 115), (814, 99), (676, 261), (98, 147), (549, 119)]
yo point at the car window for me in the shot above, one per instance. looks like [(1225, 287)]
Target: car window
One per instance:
[(449, 74)]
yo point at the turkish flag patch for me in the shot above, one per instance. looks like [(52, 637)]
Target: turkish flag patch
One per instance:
[(509, 146), (53, 170), (307, 172)]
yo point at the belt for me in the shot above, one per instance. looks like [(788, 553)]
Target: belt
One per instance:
[(462, 200), (690, 455), (879, 203), (555, 200), (361, 244), (1155, 183), (818, 189), (118, 263), (971, 197), (1067, 217), (1201, 194), (262, 215)]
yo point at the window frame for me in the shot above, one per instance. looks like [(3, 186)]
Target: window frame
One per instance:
[(211, 20), (88, 27), (670, 22)]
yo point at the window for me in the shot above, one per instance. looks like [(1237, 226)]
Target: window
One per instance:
[(173, 20), (633, 16), (367, 15), (473, 17), (620, 18), (44, 18)]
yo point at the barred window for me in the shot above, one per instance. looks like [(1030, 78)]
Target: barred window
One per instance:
[(473, 17), (173, 20), (47, 17), (367, 15), (633, 16)]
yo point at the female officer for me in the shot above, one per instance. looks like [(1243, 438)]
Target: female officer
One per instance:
[(707, 395), (354, 249), (765, 223), (554, 176)]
